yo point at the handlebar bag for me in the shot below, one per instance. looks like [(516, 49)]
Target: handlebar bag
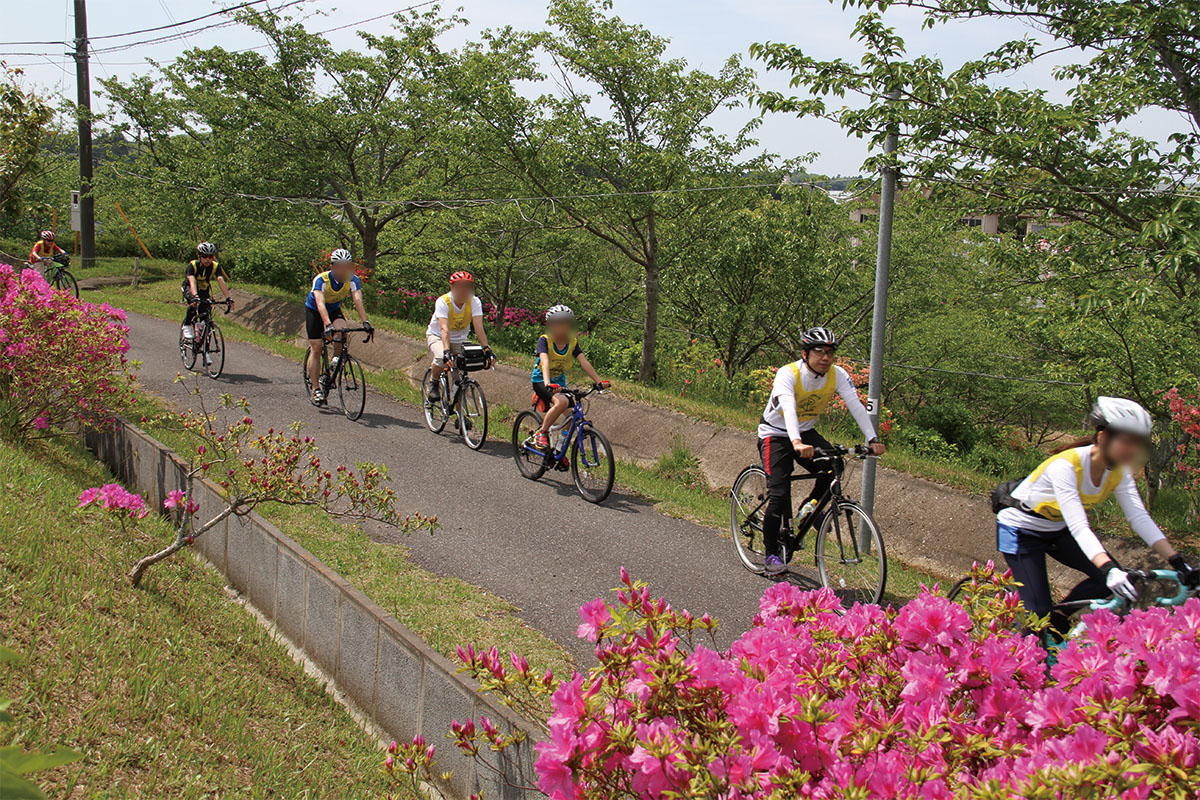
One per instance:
[(473, 358)]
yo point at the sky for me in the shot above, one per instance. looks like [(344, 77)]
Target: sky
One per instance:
[(704, 32)]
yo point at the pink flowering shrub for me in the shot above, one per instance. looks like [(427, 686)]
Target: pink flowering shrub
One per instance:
[(933, 700), (62, 361), (1184, 407)]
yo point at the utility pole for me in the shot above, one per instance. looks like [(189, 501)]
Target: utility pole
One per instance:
[(883, 265), (87, 203)]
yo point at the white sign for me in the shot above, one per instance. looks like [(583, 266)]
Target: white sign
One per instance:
[(75, 224), (872, 405)]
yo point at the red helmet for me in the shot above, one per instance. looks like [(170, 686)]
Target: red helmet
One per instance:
[(48, 236), (461, 276)]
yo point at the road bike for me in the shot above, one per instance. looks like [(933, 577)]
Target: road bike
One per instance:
[(463, 398), (575, 445), (207, 343), (849, 553), (57, 274), (342, 372)]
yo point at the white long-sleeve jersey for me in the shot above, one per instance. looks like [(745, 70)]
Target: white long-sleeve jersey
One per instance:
[(781, 418)]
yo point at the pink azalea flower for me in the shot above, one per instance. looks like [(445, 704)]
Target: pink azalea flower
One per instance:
[(595, 616)]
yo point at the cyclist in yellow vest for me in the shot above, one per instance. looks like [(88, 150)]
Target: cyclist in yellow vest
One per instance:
[(787, 434), (454, 315), (1046, 513), (557, 350)]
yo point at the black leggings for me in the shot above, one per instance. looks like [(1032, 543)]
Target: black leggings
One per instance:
[(1029, 567), (779, 460), (194, 311)]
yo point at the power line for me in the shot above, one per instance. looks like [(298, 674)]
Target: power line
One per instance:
[(216, 13), (171, 37)]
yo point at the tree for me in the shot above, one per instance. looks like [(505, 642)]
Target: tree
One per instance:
[(621, 165), (23, 120)]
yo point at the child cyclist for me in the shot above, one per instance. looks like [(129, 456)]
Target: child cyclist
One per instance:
[(557, 349), (323, 312), (44, 250)]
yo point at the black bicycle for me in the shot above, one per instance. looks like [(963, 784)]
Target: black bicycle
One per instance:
[(850, 557), (207, 342), (342, 372), (57, 274), (465, 400)]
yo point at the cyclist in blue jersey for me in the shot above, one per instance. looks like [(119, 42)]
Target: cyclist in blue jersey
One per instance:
[(323, 312)]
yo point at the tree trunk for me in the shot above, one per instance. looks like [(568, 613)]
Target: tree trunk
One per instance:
[(370, 247), (648, 371)]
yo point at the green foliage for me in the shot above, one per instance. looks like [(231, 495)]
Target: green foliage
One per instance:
[(23, 116), (284, 261), (924, 442), (15, 763), (952, 419)]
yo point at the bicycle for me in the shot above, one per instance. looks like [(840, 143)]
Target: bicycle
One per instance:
[(344, 372), (207, 339), (58, 276), (849, 552), (466, 402), (591, 460)]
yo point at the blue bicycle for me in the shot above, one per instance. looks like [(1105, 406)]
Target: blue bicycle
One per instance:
[(575, 445)]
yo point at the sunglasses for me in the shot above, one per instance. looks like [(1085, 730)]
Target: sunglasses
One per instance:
[(825, 351)]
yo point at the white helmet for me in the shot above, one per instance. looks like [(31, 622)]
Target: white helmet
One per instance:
[(340, 256), (559, 312), (1119, 414), (206, 249)]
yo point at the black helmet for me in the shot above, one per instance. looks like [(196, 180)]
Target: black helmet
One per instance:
[(818, 337)]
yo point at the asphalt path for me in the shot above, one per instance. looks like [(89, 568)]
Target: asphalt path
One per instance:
[(536, 544)]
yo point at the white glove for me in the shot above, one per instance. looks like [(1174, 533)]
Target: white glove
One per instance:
[(1120, 585)]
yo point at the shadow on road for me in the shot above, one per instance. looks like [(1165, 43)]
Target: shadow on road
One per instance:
[(237, 378), (372, 420)]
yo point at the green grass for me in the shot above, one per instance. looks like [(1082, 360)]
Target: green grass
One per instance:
[(172, 690)]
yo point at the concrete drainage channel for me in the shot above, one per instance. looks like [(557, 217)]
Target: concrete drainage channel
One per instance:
[(388, 674)]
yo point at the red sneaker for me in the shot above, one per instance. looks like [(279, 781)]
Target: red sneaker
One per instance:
[(542, 440)]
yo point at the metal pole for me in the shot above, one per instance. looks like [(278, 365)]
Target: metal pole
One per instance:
[(883, 263), (87, 204)]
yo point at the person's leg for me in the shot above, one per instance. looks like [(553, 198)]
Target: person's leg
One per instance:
[(558, 406), (1066, 551), (436, 351), (315, 330), (339, 323), (824, 479), (189, 316), (1029, 569), (778, 461)]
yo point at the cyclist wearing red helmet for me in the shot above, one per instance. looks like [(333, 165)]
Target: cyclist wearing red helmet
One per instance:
[(454, 314), (44, 249)]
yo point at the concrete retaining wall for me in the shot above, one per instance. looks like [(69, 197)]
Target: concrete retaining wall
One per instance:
[(394, 677)]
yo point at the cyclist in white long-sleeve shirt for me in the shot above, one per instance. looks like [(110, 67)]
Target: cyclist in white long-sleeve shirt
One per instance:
[(787, 434), (1045, 514)]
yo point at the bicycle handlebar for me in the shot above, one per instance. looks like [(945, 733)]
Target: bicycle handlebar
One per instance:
[(1117, 603), (344, 332), (834, 451), (579, 394)]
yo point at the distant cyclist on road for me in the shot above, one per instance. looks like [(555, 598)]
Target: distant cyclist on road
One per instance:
[(323, 312), (1045, 514), (454, 315), (197, 285), (44, 249), (787, 433), (556, 351)]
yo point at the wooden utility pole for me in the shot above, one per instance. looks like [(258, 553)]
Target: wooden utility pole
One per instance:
[(87, 203)]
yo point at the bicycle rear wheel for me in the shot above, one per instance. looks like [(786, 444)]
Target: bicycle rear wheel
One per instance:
[(593, 465), (65, 282), (855, 575), (352, 388), (435, 412), (187, 352), (747, 504), (214, 351), (473, 415), (531, 464)]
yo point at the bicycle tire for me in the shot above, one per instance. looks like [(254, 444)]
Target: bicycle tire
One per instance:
[(747, 501), (594, 444), (64, 281), (214, 351), (435, 413), (187, 352), (530, 465), (863, 576), (308, 387), (352, 387), (473, 415)]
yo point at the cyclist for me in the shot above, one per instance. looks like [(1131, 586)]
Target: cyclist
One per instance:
[(323, 312), (44, 249), (787, 432), (197, 285), (557, 350), (1045, 514), (454, 314)]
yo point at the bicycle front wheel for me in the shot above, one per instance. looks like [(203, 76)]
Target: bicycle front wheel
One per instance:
[(747, 505), (855, 574), (530, 461), (64, 281), (473, 415), (352, 388), (593, 466), (214, 351), (187, 352), (435, 410)]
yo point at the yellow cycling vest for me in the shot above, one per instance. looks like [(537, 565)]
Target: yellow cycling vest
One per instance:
[(810, 405), (457, 320), (204, 277), (559, 362), (332, 295), (1049, 508)]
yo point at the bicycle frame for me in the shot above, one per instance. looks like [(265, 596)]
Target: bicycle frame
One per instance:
[(571, 432), (339, 336)]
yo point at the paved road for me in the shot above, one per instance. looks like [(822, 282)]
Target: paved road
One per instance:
[(538, 545)]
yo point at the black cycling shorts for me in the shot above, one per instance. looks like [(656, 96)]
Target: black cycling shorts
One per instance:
[(314, 324), (542, 390)]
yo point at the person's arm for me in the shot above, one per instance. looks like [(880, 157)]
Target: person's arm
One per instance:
[(358, 304), (588, 368), (1063, 482), (849, 395), (58, 249), (1139, 518), (33, 253), (319, 299), (441, 313), (784, 389), (224, 288)]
